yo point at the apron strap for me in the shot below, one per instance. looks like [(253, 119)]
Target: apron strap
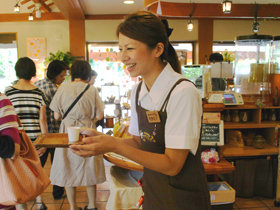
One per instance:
[(164, 105), (137, 95)]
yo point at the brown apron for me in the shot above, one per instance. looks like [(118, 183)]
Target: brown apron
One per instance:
[(187, 190)]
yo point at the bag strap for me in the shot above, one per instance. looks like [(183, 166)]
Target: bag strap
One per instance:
[(76, 100)]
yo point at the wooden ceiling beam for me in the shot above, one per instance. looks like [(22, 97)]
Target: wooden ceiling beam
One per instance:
[(215, 10), (43, 7), (33, 5), (24, 2), (20, 17), (71, 9), (49, 5)]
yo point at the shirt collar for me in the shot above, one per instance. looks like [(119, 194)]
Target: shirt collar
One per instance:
[(160, 84)]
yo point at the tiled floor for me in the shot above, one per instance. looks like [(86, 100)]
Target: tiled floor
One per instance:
[(256, 203)]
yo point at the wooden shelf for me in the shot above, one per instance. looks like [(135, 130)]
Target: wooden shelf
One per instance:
[(234, 151), (264, 124), (242, 107)]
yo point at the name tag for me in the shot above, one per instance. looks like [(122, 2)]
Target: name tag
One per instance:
[(153, 116)]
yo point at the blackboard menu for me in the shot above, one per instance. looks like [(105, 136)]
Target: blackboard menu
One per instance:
[(210, 132)]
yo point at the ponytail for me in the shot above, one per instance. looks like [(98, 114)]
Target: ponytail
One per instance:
[(172, 58), (171, 55)]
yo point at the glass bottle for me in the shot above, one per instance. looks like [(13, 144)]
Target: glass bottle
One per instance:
[(275, 99), (272, 116), (244, 117), (227, 117), (235, 117), (264, 115)]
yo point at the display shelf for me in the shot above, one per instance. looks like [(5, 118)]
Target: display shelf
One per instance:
[(267, 129), (234, 151)]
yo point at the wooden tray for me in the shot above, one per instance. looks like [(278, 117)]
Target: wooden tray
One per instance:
[(52, 140)]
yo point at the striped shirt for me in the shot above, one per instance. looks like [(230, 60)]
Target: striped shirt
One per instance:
[(27, 104), (8, 119), (49, 88)]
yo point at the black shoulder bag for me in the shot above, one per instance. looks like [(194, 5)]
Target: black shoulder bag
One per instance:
[(76, 100)]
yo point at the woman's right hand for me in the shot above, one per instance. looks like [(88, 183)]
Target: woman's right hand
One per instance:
[(95, 145)]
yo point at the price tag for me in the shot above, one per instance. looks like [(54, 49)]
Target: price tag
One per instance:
[(153, 116)]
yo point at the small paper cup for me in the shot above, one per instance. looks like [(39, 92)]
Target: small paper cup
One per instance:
[(73, 133)]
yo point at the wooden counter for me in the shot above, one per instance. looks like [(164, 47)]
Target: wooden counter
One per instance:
[(223, 167)]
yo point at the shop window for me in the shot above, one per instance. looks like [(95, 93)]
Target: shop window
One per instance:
[(8, 58), (104, 59)]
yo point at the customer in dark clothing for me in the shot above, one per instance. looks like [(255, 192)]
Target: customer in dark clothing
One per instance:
[(218, 84)]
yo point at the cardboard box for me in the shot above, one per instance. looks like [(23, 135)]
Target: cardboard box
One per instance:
[(221, 192)]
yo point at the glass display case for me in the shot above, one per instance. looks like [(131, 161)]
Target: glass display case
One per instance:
[(275, 60), (275, 67), (252, 67)]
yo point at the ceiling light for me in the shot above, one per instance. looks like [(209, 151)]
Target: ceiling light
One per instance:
[(16, 8), (227, 6), (128, 2), (190, 25), (30, 17)]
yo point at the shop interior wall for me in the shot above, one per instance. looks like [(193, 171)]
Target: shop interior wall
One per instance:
[(105, 30), (224, 30), (55, 32), (227, 30)]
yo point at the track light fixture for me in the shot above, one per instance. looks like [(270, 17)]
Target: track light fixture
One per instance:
[(190, 23), (17, 7), (227, 6), (256, 24)]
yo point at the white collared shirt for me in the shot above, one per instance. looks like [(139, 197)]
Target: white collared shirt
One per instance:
[(184, 109)]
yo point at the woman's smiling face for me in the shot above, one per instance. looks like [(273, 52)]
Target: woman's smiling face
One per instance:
[(137, 57)]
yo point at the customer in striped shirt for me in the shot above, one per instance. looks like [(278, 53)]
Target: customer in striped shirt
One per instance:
[(9, 136), (30, 104)]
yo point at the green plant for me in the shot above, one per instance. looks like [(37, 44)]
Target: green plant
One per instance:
[(67, 58), (228, 56)]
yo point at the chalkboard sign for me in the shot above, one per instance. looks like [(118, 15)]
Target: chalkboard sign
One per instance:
[(212, 134)]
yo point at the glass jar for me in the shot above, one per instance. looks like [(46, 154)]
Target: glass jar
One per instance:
[(259, 142), (252, 69)]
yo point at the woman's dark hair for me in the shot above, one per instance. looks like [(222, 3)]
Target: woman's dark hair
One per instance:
[(216, 57), (93, 73), (147, 28), (80, 69), (25, 68), (55, 68)]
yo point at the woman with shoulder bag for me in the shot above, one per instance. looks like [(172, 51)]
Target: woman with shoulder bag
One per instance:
[(9, 135), (69, 170)]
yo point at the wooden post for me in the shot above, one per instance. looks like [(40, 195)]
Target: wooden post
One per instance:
[(205, 39), (77, 37)]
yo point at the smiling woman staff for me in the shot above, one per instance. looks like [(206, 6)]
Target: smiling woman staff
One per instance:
[(165, 122)]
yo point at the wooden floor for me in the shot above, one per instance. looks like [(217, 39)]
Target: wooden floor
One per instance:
[(103, 192)]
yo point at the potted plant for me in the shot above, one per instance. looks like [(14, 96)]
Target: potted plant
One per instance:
[(67, 58)]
